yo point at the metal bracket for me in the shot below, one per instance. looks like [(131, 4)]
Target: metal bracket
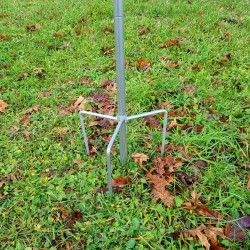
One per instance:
[(121, 121)]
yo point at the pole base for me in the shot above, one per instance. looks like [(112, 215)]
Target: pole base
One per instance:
[(121, 126)]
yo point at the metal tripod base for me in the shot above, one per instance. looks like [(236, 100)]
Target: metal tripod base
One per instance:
[(122, 120)]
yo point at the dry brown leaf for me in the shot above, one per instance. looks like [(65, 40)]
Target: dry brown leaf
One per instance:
[(85, 81), (143, 64), (248, 183), (139, 158), (39, 72), (4, 37), (227, 35), (33, 27), (2, 197), (22, 76), (31, 110), (64, 211), (78, 161), (172, 64), (203, 239), (44, 94), (238, 230), (159, 191), (172, 42), (226, 57), (3, 106), (58, 35), (65, 45), (152, 121), (120, 182), (12, 128), (189, 90), (27, 135), (25, 120), (173, 124)]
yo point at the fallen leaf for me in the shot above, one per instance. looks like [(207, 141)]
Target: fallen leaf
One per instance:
[(12, 128), (152, 121), (76, 215), (189, 90), (3, 106), (177, 112), (44, 94), (159, 191), (248, 183), (33, 27), (226, 57), (227, 35), (162, 45), (4, 37), (65, 45), (172, 64), (2, 197), (107, 30), (31, 110), (172, 42), (198, 232), (60, 131), (196, 67), (107, 51), (78, 103), (120, 182), (173, 124), (78, 161), (27, 135), (39, 72), (25, 120), (68, 245), (164, 105), (22, 76), (201, 164), (58, 35), (140, 158), (238, 230), (64, 211), (85, 81), (143, 64)]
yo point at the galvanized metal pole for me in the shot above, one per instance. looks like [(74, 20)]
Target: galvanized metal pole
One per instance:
[(120, 76)]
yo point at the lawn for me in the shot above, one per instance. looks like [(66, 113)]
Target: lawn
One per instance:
[(190, 57)]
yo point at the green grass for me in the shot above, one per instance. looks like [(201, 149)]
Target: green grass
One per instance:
[(39, 173)]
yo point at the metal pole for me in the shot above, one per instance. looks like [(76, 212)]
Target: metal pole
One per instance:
[(120, 76)]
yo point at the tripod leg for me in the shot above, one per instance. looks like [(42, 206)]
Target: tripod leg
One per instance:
[(109, 170)]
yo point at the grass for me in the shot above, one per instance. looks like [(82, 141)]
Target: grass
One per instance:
[(39, 171)]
